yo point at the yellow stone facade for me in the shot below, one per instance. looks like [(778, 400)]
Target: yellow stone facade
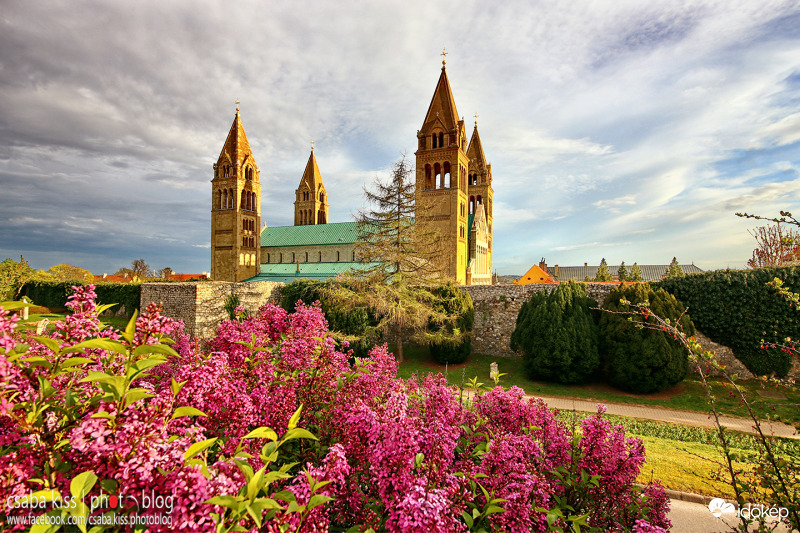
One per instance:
[(311, 204), (453, 182), (235, 209)]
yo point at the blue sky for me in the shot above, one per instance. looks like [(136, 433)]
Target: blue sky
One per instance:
[(626, 130)]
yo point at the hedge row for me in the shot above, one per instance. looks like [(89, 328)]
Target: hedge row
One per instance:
[(737, 308), (54, 294)]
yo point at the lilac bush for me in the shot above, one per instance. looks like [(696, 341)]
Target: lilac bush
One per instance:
[(272, 426)]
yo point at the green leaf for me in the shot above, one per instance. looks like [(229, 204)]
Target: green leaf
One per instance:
[(74, 361), (468, 519), (134, 395), (82, 484), (255, 515), (161, 349), (130, 330), (198, 447), (140, 366), (176, 387), (492, 509), (104, 414), (109, 485), (187, 411), (98, 344), (295, 418), (298, 433), (231, 502), (51, 344), (317, 500), (46, 495), (262, 433)]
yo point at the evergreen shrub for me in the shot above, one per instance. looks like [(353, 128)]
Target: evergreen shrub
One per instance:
[(54, 294), (639, 359), (557, 334), (455, 349), (737, 308)]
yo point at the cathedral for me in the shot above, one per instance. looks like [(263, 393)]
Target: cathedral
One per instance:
[(453, 197)]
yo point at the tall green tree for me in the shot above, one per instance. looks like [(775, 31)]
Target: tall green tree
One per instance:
[(603, 273), (622, 273), (408, 265), (388, 234), (636, 273), (557, 335), (674, 270), (13, 275)]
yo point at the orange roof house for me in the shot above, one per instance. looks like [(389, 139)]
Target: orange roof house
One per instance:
[(536, 274)]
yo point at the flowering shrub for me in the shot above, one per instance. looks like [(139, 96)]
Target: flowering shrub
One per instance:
[(272, 428)]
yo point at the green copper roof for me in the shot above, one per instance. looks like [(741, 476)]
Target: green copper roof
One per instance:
[(287, 272), (311, 235)]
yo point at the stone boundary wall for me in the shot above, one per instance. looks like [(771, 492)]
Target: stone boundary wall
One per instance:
[(201, 305), (497, 307)]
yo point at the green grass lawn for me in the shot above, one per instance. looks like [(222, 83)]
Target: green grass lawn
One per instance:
[(689, 395)]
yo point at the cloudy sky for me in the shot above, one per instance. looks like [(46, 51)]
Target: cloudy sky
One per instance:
[(627, 130)]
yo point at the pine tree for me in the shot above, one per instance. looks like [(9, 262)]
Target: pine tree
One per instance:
[(409, 263), (389, 236), (603, 273), (636, 273), (622, 273), (674, 270)]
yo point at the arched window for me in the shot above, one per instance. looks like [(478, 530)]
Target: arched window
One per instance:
[(321, 217), (293, 258), (243, 201), (268, 259), (224, 202), (230, 199), (479, 200), (428, 177), (241, 259), (441, 139), (471, 205), (322, 197), (253, 260), (281, 258), (320, 257), (306, 257), (337, 257), (247, 260), (437, 176), (227, 171), (354, 255), (446, 178), (434, 145)]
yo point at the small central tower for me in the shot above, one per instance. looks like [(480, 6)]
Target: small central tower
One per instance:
[(311, 203), (235, 209), (442, 162)]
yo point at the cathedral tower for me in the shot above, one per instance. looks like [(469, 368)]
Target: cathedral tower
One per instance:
[(442, 164), (235, 209), (311, 203), (479, 187)]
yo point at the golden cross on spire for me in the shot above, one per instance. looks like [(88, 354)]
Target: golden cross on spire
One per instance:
[(476, 118), (312, 145), (237, 105), (444, 56)]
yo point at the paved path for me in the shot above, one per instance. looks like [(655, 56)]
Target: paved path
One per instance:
[(688, 418)]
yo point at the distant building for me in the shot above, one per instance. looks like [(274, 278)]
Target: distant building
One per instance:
[(580, 273), (536, 274)]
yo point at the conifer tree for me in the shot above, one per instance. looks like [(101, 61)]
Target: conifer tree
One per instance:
[(557, 335), (674, 270), (409, 263), (622, 273), (603, 273), (636, 273)]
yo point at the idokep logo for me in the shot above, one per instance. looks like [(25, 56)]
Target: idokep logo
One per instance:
[(718, 507)]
